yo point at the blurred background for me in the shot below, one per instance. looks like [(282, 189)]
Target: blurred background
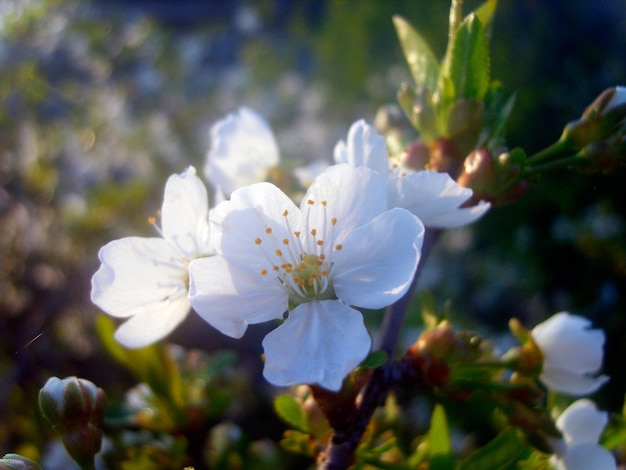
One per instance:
[(102, 100)]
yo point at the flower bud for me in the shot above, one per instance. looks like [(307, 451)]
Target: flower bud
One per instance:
[(603, 118), (17, 462), (445, 157), (75, 408)]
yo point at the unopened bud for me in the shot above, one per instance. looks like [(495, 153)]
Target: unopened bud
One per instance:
[(603, 118), (445, 157), (75, 408), (437, 342), (17, 462)]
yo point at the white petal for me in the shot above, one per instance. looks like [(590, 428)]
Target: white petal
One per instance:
[(146, 328), (254, 212), (185, 214), (435, 198), (137, 275), (586, 457), (571, 383), (378, 261), (364, 147), (567, 343), (582, 422), (243, 148), (320, 342), (354, 196), (232, 296)]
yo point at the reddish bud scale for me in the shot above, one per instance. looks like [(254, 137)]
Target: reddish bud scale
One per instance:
[(445, 157)]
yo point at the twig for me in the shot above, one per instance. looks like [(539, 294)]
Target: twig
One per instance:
[(344, 441)]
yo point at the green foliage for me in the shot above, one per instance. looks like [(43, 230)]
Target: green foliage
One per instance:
[(440, 454), (423, 65), (502, 452), (291, 412)]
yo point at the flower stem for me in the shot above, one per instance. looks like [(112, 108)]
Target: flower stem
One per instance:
[(343, 442), (553, 165)]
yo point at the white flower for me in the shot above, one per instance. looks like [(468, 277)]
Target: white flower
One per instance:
[(582, 425), (571, 354), (434, 197), (341, 248), (146, 279), (242, 150)]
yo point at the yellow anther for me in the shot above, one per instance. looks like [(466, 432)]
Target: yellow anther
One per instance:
[(285, 241), (310, 202), (285, 213), (257, 241), (279, 253), (324, 203), (297, 234), (313, 232), (333, 220), (275, 268), (263, 272), (338, 247), (151, 220), (320, 242), (268, 230)]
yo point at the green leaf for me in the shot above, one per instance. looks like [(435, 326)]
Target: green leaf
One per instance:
[(374, 359), (497, 111), (422, 62), (502, 452), (152, 365), (291, 412), (467, 66), (440, 453), (486, 11)]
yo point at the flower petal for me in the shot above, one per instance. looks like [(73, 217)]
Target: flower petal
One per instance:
[(137, 276), (354, 196), (569, 382), (254, 212), (243, 148), (320, 342), (568, 344), (230, 296), (582, 422), (585, 457), (378, 261), (435, 198), (185, 213), (146, 328), (364, 147)]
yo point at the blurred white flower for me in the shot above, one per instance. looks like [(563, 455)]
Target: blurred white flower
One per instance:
[(582, 425), (243, 149), (434, 197), (146, 279), (341, 248), (572, 353)]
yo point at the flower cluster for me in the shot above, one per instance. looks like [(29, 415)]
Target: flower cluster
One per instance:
[(354, 242)]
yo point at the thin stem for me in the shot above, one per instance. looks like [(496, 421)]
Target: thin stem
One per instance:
[(553, 165), (344, 440), (551, 152)]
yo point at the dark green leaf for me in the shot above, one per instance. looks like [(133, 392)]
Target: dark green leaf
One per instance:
[(467, 67), (375, 359), (422, 62), (486, 11), (291, 412), (502, 452)]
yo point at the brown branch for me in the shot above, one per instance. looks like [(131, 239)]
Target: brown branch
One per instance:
[(347, 434)]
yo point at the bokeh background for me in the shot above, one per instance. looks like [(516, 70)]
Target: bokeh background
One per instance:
[(102, 100)]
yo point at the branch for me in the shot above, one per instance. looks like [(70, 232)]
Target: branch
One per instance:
[(345, 439)]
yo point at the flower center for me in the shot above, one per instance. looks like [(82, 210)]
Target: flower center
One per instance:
[(302, 261)]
